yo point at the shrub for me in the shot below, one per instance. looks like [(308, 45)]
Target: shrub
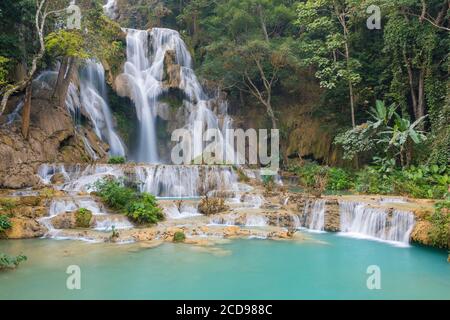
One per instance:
[(116, 160), (369, 180), (339, 179), (114, 194), (179, 237), (83, 218), (139, 208), (9, 262), (5, 223), (144, 210), (209, 206), (440, 220)]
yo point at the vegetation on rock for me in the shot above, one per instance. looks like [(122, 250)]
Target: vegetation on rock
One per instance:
[(179, 237), (83, 218), (211, 205), (141, 208), (5, 223), (440, 220), (116, 160), (9, 262)]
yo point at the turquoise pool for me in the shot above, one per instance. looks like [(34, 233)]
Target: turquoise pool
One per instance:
[(327, 267)]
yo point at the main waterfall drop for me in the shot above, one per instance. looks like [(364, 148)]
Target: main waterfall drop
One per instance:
[(147, 76)]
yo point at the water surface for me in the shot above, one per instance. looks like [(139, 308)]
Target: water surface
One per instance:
[(332, 267)]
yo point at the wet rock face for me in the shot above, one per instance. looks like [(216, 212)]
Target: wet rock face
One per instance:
[(23, 228), (210, 206), (172, 70), (73, 220), (25, 212), (52, 138), (332, 217)]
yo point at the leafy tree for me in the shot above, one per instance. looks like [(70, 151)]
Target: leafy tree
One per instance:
[(326, 43)]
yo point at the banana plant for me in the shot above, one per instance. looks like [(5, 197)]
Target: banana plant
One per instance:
[(381, 114), (401, 134)]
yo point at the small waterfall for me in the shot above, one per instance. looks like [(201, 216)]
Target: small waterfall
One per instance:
[(89, 99), (103, 220), (402, 225), (185, 211), (93, 99), (363, 221), (253, 220), (314, 215), (110, 9)]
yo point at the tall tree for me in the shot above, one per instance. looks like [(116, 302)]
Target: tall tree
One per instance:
[(326, 43)]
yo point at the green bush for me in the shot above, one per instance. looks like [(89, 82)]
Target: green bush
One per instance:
[(440, 220), (139, 208), (9, 262), (83, 218), (5, 223), (429, 182), (114, 194), (144, 210), (116, 160), (339, 179), (179, 237), (369, 180)]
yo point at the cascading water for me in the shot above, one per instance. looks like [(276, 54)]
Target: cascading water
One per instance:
[(159, 180), (89, 99), (93, 99), (144, 73), (314, 215), (110, 9), (361, 220), (103, 220)]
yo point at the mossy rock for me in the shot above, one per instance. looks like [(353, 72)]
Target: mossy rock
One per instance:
[(83, 218), (179, 237)]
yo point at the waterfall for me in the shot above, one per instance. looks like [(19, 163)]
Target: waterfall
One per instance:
[(144, 73), (182, 212), (94, 100), (110, 9), (103, 220), (253, 220), (363, 221), (314, 215), (164, 181), (89, 99), (143, 81)]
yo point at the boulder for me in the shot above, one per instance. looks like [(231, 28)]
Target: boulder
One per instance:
[(58, 178), (25, 228)]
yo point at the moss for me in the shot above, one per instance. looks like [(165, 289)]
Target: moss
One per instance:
[(173, 100), (7, 204)]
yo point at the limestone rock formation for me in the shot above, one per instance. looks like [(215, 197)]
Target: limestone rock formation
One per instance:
[(52, 138)]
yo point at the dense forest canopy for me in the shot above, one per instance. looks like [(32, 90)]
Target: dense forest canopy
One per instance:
[(360, 51)]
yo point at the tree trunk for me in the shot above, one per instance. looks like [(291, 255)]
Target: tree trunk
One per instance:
[(411, 85), (352, 103), (26, 112), (263, 22), (61, 75), (63, 83), (421, 94), (271, 114)]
